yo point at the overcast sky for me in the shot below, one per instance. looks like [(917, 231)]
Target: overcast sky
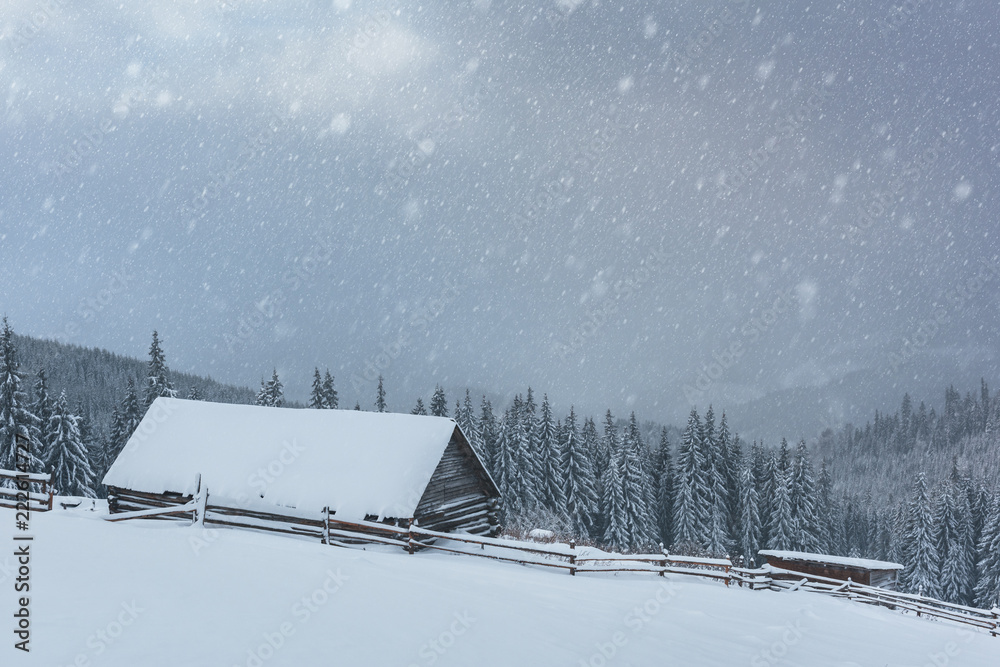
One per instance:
[(625, 205)]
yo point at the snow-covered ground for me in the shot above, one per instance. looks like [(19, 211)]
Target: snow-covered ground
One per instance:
[(144, 593)]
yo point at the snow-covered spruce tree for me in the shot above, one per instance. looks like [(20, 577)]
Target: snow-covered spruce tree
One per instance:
[(67, 456), (465, 416), (988, 585), (15, 417), (763, 475), (781, 523), (317, 401), (952, 541), (419, 408), (551, 470), (613, 505), (691, 504), (488, 434), (330, 399), (157, 382), (42, 408), (380, 405), (803, 496), (439, 402), (664, 476), (748, 525), (920, 572), (505, 472), (826, 510), (194, 394), (590, 441), (271, 392), (731, 450), (529, 482), (637, 489), (581, 485), (716, 537)]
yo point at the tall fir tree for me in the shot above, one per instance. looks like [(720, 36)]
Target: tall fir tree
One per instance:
[(781, 524), (488, 433), (439, 402), (664, 477), (317, 400), (465, 417), (803, 496), (15, 417), (581, 485), (330, 398), (637, 488), (920, 569), (691, 504), (987, 591), (546, 447), (749, 524), (194, 394), (42, 408), (952, 543), (67, 456), (419, 408), (272, 392), (380, 404), (157, 380), (714, 455), (613, 503)]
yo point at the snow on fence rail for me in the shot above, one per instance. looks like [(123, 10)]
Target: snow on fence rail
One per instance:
[(329, 530), (37, 497)]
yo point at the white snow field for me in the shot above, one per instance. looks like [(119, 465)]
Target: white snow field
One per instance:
[(141, 593)]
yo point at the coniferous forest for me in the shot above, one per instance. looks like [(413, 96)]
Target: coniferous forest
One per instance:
[(917, 487)]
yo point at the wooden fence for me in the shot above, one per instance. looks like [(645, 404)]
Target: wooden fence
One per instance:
[(38, 496), (328, 529)]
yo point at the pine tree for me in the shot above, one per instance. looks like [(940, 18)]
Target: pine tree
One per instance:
[(581, 485), (717, 502), (749, 534), (590, 443), (67, 460), (488, 435), (613, 503), (781, 528), (803, 497), (15, 417), (546, 448), (330, 399), (357, 407), (380, 405), (157, 382), (505, 466), (439, 402), (637, 489), (194, 394), (317, 400), (825, 510), (271, 392), (419, 408), (526, 463), (465, 417), (952, 544), (664, 475), (920, 571), (690, 489), (128, 419), (988, 585), (42, 409)]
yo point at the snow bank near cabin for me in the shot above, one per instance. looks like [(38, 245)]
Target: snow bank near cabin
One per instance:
[(123, 595), (355, 462)]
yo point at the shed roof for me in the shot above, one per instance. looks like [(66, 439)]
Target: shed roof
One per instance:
[(355, 462), (860, 563)]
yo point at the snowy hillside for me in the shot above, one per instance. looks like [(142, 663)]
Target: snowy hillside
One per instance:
[(122, 595)]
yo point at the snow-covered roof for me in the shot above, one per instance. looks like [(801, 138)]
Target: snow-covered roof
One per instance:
[(355, 462), (862, 563)]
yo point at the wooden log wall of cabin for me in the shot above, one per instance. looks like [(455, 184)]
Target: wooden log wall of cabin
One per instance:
[(127, 500), (828, 570), (459, 495)]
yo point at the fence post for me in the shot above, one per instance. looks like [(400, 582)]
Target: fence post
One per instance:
[(326, 525), (572, 558), (48, 485), (663, 552), (409, 537), (200, 503), (996, 622)]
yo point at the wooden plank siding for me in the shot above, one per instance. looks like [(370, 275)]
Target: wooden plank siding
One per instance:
[(460, 495), (868, 577)]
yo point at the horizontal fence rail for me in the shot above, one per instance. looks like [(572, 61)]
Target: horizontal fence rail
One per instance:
[(37, 498), (328, 529)]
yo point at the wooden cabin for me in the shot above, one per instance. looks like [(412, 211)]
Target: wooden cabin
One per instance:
[(859, 570), (299, 471)]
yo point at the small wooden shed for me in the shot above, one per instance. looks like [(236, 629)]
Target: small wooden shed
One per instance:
[(304, 466), (859, 570)]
